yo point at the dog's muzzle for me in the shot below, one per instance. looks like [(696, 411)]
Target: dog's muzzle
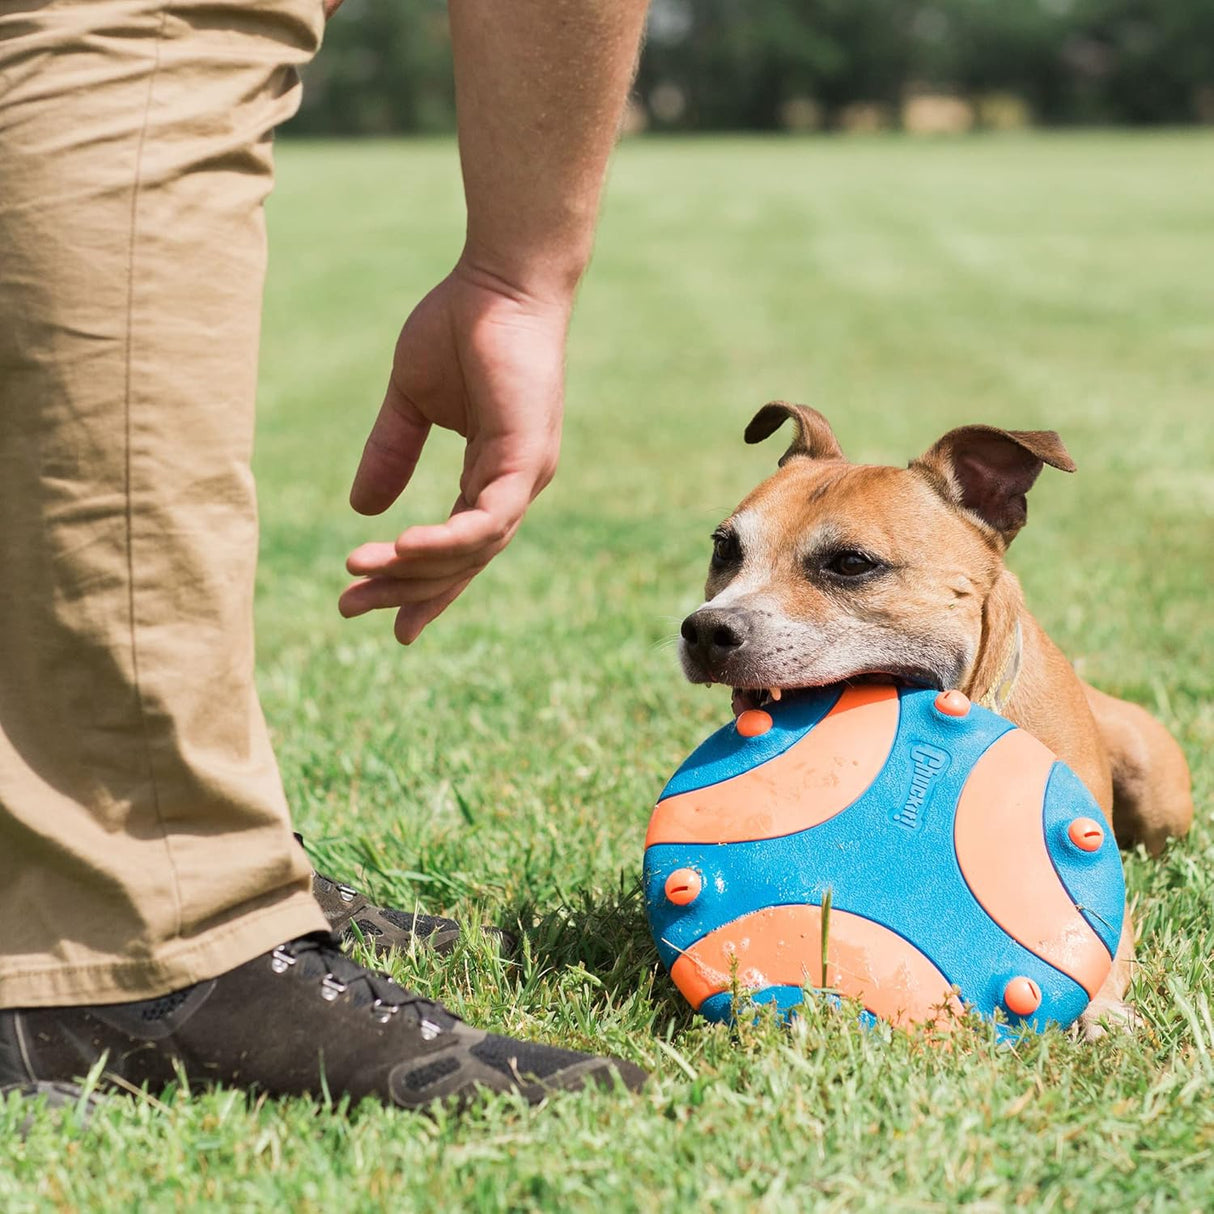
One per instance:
[(713, 637)]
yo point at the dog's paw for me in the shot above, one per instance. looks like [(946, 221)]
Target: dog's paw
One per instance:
[(1103, 1016)]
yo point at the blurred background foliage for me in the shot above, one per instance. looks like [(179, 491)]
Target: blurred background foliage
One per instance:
[(854, 65)]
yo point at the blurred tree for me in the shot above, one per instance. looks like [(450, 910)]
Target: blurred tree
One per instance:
[(385, 67), (737, 61), (1153, 58), (747, 64)]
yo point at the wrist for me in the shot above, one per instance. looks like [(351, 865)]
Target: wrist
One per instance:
[(544, 278)]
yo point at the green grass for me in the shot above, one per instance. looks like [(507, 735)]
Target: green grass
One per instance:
[(504, 767)]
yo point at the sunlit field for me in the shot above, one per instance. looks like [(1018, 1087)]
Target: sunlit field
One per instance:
[(502, 769)]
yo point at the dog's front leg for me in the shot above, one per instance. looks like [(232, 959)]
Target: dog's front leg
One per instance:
[(1109, 1009)]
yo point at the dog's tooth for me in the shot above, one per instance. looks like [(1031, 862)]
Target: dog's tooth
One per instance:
[(774, 692)]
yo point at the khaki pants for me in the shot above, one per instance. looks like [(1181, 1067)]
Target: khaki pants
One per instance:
[(144, 838)]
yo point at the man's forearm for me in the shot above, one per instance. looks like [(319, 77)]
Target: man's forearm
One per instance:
[(540, 86)]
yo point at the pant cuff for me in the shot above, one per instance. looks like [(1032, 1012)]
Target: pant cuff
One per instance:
[(177, 964)]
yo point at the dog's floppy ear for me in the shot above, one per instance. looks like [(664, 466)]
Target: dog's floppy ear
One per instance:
[(989, 471), (815, 439)]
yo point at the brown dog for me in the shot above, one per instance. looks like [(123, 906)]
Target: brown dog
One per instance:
[(832, 571)]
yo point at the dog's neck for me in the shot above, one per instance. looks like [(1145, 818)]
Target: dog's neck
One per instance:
[(996, 671), (1042, 695)]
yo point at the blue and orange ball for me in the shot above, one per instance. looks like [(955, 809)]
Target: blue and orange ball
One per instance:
[(960, 864)]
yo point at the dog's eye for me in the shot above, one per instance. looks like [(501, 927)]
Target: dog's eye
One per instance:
[(850, 564), (726, 550)]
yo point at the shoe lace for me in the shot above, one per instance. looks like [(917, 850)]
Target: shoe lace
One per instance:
[(321, 955)]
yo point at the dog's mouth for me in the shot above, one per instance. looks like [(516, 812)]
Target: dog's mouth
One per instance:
[(745, 698)]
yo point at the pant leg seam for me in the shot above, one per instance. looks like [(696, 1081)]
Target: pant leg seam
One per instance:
[(140, 703)]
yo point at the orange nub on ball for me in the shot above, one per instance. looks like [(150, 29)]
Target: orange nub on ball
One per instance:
[(683, 886), (953, 703), (753, 722), (1086, 833), (1022, 996)]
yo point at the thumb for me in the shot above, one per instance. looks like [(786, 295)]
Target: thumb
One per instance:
[(391, 453)]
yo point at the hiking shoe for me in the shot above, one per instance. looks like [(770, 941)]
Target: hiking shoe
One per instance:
[(303, 1019), (353, 916)]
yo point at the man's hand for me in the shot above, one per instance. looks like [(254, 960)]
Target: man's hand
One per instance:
[(539, 88), (487, 361)]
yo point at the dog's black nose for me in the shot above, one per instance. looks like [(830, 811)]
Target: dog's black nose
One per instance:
[(714, 634)]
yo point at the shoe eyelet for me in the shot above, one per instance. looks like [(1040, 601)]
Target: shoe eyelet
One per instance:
[(383, 1012), (429, 1029), (346, 893), (281, 960), (331, 988)]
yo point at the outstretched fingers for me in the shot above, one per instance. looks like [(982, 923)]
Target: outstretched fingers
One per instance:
[(428, 566)]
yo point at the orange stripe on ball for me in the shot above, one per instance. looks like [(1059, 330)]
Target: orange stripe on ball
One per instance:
[(782, 946), (1002, 853), (819, 776)]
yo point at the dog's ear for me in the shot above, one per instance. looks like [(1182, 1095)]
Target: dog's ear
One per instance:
[(989, 471), (814, 440)]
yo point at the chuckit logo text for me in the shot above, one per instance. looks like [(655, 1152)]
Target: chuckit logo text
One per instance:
[(929, 763)]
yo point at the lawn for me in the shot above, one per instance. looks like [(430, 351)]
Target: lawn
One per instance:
[(503, 768)]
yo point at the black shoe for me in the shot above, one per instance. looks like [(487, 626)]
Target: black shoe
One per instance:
[(352, 915), (303, 1019)]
